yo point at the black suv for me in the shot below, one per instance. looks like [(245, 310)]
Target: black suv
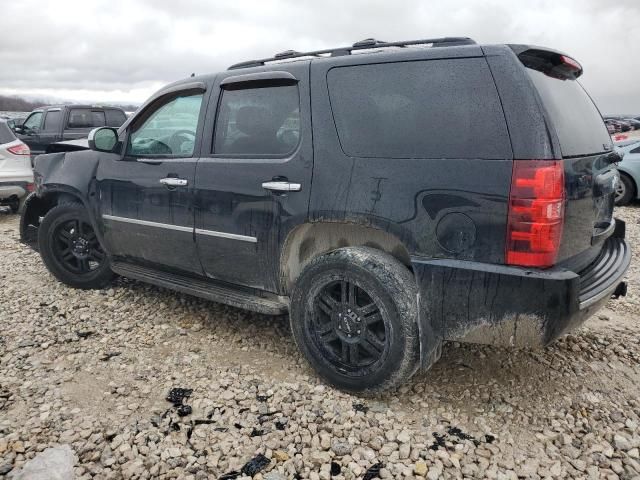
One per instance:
[(389, 196), (56, 123)]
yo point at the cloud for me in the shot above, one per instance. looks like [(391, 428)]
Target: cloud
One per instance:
[(120, 49)]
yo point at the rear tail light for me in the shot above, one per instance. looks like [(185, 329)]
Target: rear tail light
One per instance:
[(31, 187), (20, 149), (536, 213)]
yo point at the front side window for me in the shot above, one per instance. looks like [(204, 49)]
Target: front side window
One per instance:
[(86, 118), (169, 130), (258, 121), (34, 121)]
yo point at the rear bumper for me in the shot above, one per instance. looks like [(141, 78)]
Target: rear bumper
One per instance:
[(511, 306), (13, 189)]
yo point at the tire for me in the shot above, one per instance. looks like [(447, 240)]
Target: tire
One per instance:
[(14, 205), (70, 249), (366, 349), (625, 190)]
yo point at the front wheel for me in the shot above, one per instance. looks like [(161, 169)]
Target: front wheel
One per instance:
[(70, 248), (354, 317)]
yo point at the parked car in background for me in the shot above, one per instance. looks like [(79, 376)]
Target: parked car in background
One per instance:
[(16, 176), (635, 124), (629, 168), (612, 125), (65, 122)]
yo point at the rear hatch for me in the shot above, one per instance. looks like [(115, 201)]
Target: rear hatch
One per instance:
[(586, 150)]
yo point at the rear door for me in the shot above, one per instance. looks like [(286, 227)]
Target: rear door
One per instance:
[(254, 178), (585, 147), (146, 194)]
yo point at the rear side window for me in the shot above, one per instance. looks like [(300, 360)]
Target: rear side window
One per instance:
[(258, 121), (115, 118), (86, 118), (577, 121), (423, 109), (52, 121), (6, 135)]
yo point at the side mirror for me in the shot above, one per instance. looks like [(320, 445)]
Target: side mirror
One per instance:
[(103, 139)]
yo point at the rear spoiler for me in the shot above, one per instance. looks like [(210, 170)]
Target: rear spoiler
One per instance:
[(550, 62)]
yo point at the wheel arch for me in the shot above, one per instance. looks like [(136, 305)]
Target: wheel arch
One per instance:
[(310, 240), (36, 206)]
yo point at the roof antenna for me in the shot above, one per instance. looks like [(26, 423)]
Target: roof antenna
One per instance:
[(193, 75)]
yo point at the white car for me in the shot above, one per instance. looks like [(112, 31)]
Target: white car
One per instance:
[(16, 175)]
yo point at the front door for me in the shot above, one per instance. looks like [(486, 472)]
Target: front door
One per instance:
[(146, 195), (30, 133), (254, 175)]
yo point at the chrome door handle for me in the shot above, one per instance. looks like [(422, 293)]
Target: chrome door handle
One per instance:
[(282, 186), (174, 182)]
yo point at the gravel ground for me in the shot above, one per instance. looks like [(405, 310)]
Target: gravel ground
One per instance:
[(92, 370)]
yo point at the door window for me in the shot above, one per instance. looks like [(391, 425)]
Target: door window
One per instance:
[(258, 121), (169, 130), (34, 121), (52, 121)]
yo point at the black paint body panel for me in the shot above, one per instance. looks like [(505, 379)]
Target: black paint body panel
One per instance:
[(447, 215)]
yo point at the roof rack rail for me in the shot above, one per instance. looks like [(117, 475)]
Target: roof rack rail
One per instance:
[(365, 44)]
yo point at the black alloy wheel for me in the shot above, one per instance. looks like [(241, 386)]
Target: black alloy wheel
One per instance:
[(349, 327), (76, 247), (354, 316), (70, 248)]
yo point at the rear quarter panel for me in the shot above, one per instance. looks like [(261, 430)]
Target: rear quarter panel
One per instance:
[(437, 207)]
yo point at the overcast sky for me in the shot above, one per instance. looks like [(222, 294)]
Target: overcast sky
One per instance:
[(123, 50)]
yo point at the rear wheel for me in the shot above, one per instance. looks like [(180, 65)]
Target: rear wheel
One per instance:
[(70, 248), (354, 317), (625, 190)]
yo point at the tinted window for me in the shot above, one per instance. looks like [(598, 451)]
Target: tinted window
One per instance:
[(115, 118), (34, 121), (425, 109), (258, 121), (635, 150), (52, 121), (170, 129), (6, 135), (86, 118), (576, 119)]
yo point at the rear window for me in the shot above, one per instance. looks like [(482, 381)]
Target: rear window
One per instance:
[(86, 118), (423, 109), (577, 121), (115, 118), (6, 135)]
